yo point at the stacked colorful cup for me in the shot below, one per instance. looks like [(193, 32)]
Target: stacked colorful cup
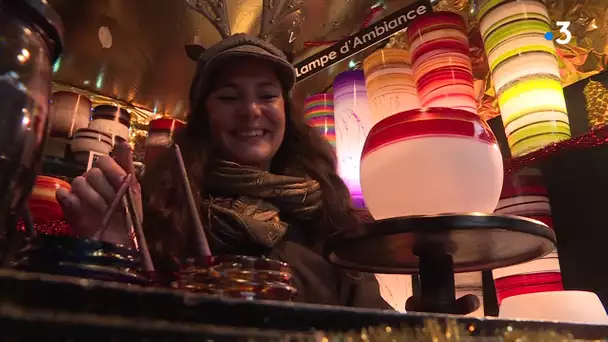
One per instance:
[(431, 161), (353, 122), (319, 114), (526, 76), (441, 63), (390, 82), (524, 194)]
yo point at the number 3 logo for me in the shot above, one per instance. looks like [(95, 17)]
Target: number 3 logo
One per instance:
[(563, 28)]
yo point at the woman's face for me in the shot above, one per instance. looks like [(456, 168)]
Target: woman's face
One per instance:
[(247, 112)]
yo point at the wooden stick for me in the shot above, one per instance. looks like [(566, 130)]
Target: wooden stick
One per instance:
[(139, 233), (203, 245), (107, 217), (129, 230)]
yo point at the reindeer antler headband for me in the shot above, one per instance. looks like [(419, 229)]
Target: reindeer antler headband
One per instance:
[(240, 44), (273, 12)]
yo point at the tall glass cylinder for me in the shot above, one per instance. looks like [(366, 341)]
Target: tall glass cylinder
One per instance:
[(524, 194), (390, 83), (524, 69), (319, 114), (353, 122), (441, 63)]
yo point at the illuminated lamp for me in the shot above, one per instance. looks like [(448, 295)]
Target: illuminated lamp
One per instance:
[(431, 161), (390, 82), (353, 121), (319, 114), (525, 73), (440, 61)]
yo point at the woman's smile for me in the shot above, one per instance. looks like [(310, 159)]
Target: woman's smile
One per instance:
[(250, 134)]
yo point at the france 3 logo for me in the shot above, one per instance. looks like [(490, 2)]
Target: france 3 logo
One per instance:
[(565, 35)]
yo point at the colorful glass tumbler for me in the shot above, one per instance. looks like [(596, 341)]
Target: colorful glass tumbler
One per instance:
[(431, 161), (524, 194), (353, 122), (390, 83), (524, 68), (441, 63), (319, 114)]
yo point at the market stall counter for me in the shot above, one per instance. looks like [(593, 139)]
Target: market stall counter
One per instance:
[(74, 308)]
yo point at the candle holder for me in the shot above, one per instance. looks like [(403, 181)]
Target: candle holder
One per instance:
[(83, 258), (239, 276)]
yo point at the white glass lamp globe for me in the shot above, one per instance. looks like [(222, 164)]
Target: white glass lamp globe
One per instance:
[(431, 161)]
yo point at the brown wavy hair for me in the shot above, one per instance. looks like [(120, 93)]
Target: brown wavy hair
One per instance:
[(303, 152)]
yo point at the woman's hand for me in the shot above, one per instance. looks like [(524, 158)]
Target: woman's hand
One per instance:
[(85, 205)]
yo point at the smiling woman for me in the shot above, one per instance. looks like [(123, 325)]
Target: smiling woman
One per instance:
[(264, 181), (246, 112)]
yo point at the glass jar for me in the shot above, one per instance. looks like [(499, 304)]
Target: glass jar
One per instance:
[(30, 41), (238, 276)]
